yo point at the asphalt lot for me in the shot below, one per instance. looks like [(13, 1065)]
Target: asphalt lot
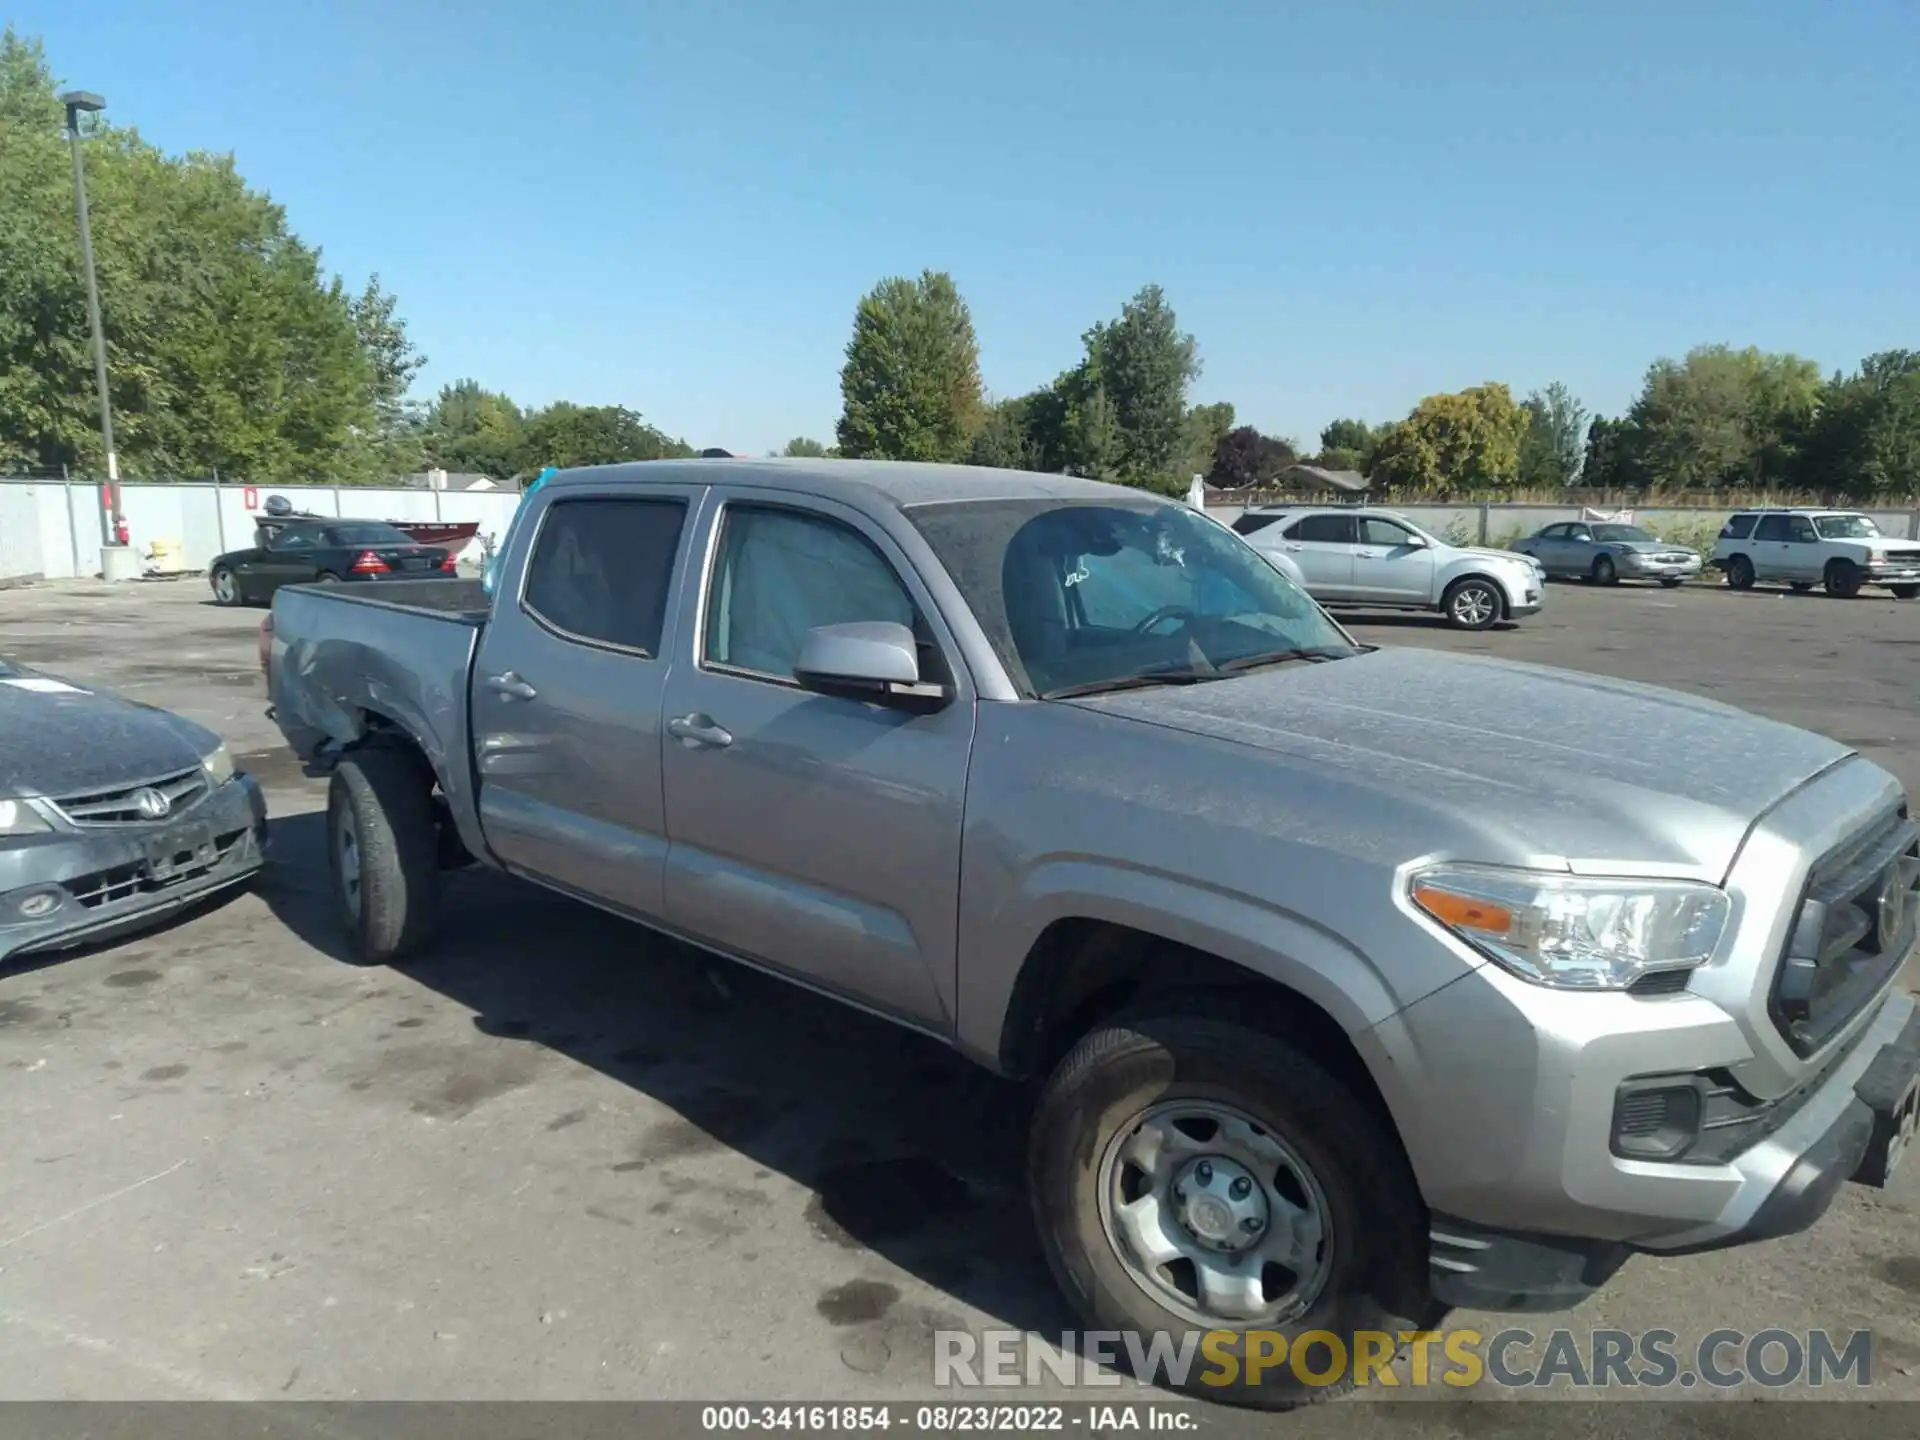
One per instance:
[(561, 1159)]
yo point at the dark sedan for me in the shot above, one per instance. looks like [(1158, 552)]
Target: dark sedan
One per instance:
[(113, 814), (323, 552)]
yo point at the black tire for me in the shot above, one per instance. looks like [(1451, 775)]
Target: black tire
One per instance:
[(1604, 571), (1377, 1225), (1667, 583), (1800, 587), (387, 798), (1483, 616), (326, 577), (1904, 592), (1739, 573), (1843, 579), (226, 587)]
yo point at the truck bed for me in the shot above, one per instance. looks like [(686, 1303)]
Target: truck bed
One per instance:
[(350, 659)]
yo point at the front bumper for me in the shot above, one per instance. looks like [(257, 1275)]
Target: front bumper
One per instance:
[(1852, 1125), (1651, 567), (1884, 573), (76, 886)]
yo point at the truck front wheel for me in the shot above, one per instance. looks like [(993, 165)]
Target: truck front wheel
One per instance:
[(1195, 1177), (383, 853)]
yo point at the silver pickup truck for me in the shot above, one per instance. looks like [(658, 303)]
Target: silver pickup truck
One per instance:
[(1357, 990)]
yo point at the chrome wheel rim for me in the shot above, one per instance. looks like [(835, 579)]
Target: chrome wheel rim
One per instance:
[(346, 848), (223, 587), (1215, 1216), (1472, 605)]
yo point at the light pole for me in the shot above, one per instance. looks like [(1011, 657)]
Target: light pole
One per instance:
[(113, 556)]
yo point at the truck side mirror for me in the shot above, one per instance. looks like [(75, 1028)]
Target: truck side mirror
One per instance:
[(872, 660)]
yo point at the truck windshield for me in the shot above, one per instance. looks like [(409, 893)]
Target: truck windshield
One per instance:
[(1845, 527), (1087, 596)]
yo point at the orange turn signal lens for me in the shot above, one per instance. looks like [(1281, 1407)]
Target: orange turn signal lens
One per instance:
[(1467, 912)]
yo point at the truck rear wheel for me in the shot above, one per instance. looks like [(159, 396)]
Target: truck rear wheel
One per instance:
[(383, 853), (1739, 573), (1190, 1175)]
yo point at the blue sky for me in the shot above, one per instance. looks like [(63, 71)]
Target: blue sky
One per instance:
[(675, 205)]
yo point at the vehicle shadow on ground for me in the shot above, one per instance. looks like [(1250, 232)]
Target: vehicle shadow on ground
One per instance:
[(910, 1151)]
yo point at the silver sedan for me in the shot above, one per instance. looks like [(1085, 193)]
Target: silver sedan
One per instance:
[(1607, 552)]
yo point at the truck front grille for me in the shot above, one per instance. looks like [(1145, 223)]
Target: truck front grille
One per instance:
[(123, 805), (1853, 928)]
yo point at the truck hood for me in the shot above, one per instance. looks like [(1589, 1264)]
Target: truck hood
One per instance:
[(60, 739), (1539, 765)]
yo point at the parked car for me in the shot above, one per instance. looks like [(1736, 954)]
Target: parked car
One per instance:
[(325, 552), (1607, 552), (113, 814), (1842, 550), (1347, 555), (1357, 991)]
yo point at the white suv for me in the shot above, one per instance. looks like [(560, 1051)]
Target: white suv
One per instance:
[(1840, 549), (1349, 555)]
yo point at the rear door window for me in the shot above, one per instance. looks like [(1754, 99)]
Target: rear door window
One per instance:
[(1772, 527), (1324, 529), (602, 569)]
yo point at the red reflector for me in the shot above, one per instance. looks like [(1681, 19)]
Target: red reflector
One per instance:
[(370, 564)]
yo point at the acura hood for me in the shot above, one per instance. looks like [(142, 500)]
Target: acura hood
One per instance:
[(60, 739), (1541, 765)]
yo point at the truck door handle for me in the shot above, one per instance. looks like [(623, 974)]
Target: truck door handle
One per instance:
[(696, 730), (510, 686)]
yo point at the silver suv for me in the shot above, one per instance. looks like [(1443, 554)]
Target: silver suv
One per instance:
[(1347, 555), (1840, 550)]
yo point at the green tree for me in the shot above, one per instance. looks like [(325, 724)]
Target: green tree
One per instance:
[(1143, 362), (1206, 427), (1722, 416), (1349, 445), (228, 346), (1004, 440), (1866, 439), (472, 429), (1555, 444), (568, 435), (1464, 441), (801, 446), (910, 389), (1608, 462)]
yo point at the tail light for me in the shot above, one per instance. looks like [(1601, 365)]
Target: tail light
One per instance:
[(449, 564), (369, 563)]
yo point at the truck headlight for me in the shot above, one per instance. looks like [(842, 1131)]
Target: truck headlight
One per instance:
[(17, 817), (1574, 933), (218, 764)]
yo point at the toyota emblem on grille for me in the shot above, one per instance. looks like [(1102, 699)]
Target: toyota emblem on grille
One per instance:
[(151, 804)]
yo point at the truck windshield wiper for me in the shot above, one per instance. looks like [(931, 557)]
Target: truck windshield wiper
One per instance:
[(1137, 681), (1278, 657)]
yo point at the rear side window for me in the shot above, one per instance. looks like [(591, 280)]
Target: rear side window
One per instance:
[(601, 570), (1738, 528), (1252, 521), (1326, 529), (1772, 527)]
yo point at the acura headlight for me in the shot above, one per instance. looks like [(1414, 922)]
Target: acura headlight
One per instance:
[(1574, 933), (17, 817), (218, 764)]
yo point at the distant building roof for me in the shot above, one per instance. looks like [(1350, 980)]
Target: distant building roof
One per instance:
[(1350, 482)]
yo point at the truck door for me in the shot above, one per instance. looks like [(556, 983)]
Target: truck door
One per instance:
[(567, 689), (813, 834)]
